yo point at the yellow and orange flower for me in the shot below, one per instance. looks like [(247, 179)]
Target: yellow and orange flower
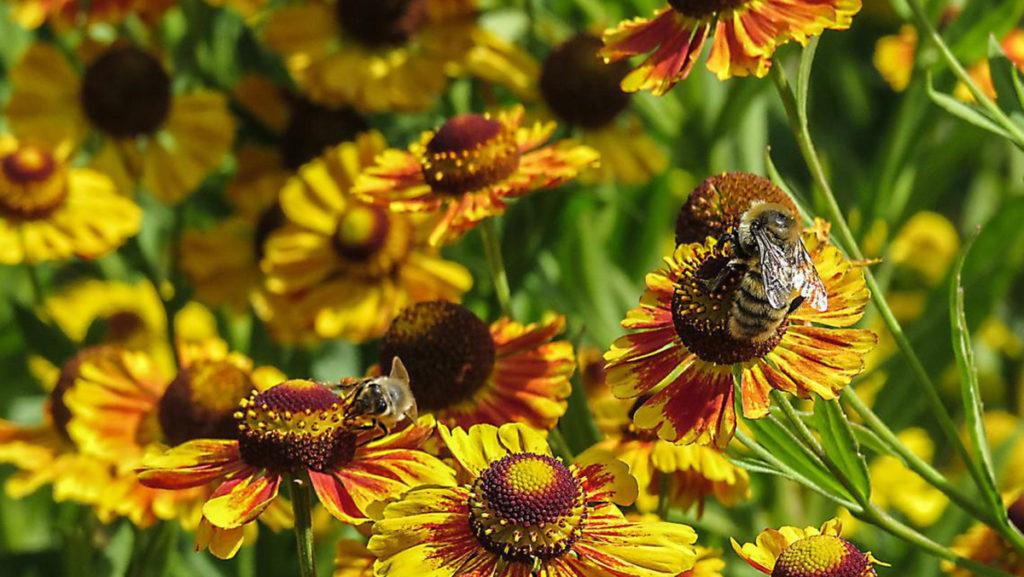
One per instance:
[(341, 267), (983, 545), (470, 167), (69, 13), (687, 473), (50, 210), (386, 57), (681, 355), (807, 552), (353, 559), (744, 35), (582, 91), (464, 372), (519, 511), (296, 429), (709, 564), (166, 141), (894, 57), (1013, 46)]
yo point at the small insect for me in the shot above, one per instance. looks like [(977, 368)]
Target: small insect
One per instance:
[(775, 264), (380, 402)]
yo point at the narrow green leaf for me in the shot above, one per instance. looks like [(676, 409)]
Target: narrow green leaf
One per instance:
[(757, 466), (43, 338), (970, 391), (968, 32), (841, 445), (1006, 80), (784, 447), (803, 78), (963, 111)]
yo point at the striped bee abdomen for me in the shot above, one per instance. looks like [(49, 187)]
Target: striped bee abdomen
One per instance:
[(752, 317)]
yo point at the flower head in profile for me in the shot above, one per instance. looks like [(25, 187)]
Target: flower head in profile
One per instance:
[(696, 320), (151, 134), (808, 552), (465, 372), (51, 210), (584, 92), (688, 473), (470, 167), (744, 35), (295, 430), (396, 55), (520, 511), (341, 267)]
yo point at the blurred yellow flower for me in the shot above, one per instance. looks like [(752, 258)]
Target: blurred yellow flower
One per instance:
[(894, 57), (895, 486)]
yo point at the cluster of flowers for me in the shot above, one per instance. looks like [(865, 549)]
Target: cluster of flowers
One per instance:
[(332, 234)]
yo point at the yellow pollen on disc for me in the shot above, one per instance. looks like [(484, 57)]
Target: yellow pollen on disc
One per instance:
[(811, 557), (530, 476)]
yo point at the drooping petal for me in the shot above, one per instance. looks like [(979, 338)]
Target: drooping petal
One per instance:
[(696, 406), (622, 547), (241, 500), (606, 478), (191, 464)]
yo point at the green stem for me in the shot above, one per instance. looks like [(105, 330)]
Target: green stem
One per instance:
[(928, 31), (798, 122), (301, 504), (559, 445), (38, 295), (492, 247), (663, 496)]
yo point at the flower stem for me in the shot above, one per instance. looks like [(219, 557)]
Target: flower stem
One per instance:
[(301, 505), (928, 31), (559, 445), (492, 247), (664, 503), (38, 296), (798, 123)]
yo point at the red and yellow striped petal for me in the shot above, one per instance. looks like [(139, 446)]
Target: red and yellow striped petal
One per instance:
[(673, 41), (192, 464), (240, 500), (696, 406), (606, 478)]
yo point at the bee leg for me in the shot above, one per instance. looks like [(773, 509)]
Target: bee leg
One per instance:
[(730, 267), (795, 304)]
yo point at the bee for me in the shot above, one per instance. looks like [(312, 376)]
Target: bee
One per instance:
[(380, 402), (775, 265)]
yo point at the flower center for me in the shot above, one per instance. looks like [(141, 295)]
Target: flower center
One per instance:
[(527, 506), (704, 8), (822, 556), (579, 87), (1016, 513), (293, 426), (123, 326), (31, 183), (362, 231), (380, 23), (126, 92), (313, 128), (469, 152), (701, 315), (448, 351), (201, 401), (718, 203)]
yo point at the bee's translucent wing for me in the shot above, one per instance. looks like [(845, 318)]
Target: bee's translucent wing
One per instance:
[(776, 271), (806, 279)]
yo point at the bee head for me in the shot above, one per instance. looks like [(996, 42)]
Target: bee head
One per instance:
[(371, 400), (767, 219)]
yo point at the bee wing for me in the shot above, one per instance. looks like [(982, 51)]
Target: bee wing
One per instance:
[(776, 271), (806, 279)]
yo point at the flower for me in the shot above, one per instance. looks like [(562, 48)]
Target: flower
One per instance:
[(925, 233), (894, 57), (69, 13), (391, 56), (681, 353), (894, 485), (353, 559), (50, 210), (344, 268), (686, 473), (583, 91), (169, 142), (465, 372), (520, 511), (469, 167), (709, 564), (744, 35), (808, 552), (985, 546), (296, 429), (1013, 46)]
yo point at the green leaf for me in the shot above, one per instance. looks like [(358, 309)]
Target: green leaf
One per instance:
[(968, 33), (1006, 79), (969, 390), (43, 338), (784, 446), (841, 445), (963, 111)]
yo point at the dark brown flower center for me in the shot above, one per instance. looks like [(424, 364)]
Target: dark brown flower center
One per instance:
[(31, 186), (704, 8), (293, 426), (526, 506), (580, 87), (701, 315), (822, 556), (123, 326), (201, 401), (362, 231), (126, 92), (1016, 513), (718, 203), (379, 23), (470, 152), (448, 351), (313, 128)]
